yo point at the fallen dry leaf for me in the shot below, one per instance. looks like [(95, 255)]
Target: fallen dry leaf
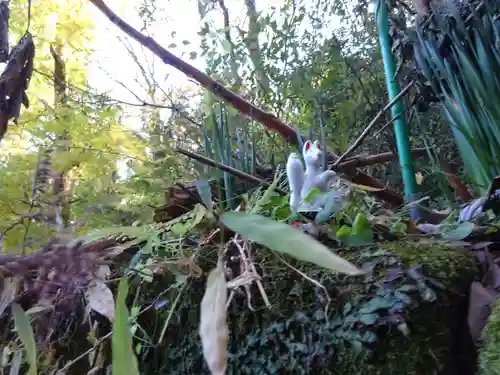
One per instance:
[(214, 331), (41, 307), (480, 301), (242, 280), (103, 272), (100, 299), (9, 291), (182, 266), (419, 178)]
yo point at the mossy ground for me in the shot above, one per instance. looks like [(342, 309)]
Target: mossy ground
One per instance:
[(489, 357), (296, 337)]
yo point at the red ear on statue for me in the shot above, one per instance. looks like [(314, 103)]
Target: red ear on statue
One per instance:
[(318, 145), (307, 145)]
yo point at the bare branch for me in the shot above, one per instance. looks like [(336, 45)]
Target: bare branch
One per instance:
[(365, 132), (228, 169), (267, 119)]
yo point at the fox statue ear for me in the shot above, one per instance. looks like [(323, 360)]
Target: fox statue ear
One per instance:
[(307, 146), (318, 145)]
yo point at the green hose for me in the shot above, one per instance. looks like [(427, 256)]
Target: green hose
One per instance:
[(400, 126)]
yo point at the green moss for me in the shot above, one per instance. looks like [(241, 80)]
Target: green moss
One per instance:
[(446, 263), (437, 324), (296, 337), (489, 357)]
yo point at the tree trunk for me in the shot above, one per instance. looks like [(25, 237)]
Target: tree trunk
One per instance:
[(62, 185)]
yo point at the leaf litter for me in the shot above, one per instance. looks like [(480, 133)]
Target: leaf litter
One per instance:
[(214, 331)]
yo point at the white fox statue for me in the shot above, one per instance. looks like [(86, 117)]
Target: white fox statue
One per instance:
[(302, 182)]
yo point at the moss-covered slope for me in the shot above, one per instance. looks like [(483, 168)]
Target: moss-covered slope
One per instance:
[(489, 358), (408, 316)]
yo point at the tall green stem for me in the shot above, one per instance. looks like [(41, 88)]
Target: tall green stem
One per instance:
[(397, 110)]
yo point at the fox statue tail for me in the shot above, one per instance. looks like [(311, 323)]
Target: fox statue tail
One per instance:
[(295, 175)]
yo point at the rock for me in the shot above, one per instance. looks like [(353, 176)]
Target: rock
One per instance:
[(407, 315)]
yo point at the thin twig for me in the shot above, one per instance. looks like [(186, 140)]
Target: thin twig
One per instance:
[(226, 168), (364, 161), (242, 105), (363, 135), (171, 313), (389, 123), (315, 282), (86, 353)]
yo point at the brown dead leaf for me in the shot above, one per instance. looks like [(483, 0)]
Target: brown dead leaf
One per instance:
[(181, 266), (480, 301), (214, 331), (364, 187), (411, 227), (100, 299), (492, 277)]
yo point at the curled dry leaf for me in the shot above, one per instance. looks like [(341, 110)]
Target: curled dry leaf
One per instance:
[(242, 280), (214, 331), (100, 299), (9, 292), (43, 306), (103, 272), (182, 266)]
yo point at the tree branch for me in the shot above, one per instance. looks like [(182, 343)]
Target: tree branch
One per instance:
[(267, 119), (364, 161), (245, 107), (226, 168), (365, 132)]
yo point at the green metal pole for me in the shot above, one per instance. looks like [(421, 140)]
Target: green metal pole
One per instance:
[(400, 126)]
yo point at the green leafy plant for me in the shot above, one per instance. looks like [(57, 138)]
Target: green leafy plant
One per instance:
[(124, 360), (224, 143), (286, 239), (463, 65), (26, 335), (360, 233)]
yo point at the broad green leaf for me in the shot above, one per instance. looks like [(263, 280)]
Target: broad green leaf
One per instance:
[(180, 229), (362, 228), (286, 239), (26, 335), (460, 232), (124, 360), (314, 192), (265, 197), (141, 233), (332, 205), (343, 233), (200, 213), (205, 192), (470, 90)]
